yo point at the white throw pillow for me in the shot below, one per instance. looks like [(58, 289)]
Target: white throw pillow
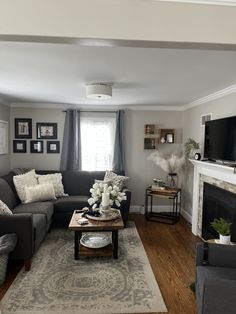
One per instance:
[(39, 193), (4, 209), (56, 180), (24, 180), (116, 179)]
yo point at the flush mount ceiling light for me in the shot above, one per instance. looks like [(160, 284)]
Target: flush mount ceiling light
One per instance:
[(99, 91)]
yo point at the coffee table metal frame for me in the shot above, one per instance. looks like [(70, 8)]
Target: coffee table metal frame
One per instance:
[(95, 226)]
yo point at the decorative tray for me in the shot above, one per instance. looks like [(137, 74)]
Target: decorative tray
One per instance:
[(95, 240), (111, 215)]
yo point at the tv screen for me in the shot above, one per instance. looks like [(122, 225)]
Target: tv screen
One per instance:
[(220, 139)]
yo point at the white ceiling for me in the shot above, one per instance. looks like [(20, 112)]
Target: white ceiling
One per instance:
[(58, 73)]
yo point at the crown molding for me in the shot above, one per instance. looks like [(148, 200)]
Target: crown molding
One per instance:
[(219, 94), (211, 2)]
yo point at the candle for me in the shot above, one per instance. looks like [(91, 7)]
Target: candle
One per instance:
[(105, 199)]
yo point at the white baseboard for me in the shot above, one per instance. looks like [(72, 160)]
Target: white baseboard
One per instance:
[(139, 209), (186, 215)]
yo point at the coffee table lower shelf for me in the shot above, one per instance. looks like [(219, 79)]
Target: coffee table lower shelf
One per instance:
[(105, 251)]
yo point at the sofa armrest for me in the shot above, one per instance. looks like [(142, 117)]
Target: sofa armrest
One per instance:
[(219, 296), (125, 205), (219, 255), (22, 226)]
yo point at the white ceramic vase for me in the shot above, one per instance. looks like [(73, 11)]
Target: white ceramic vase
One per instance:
[(224, 239)]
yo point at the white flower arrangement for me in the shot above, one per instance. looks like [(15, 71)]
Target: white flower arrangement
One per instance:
[(116, 196), (169, 164)]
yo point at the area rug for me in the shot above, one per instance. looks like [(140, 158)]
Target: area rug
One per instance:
[(92, 285)]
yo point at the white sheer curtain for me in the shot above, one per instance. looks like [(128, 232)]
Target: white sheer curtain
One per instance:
[(97, 142)]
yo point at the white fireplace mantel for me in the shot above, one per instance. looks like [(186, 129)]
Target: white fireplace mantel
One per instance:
[(220, 172)]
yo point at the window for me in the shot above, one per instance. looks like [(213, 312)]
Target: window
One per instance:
[(97, 140)]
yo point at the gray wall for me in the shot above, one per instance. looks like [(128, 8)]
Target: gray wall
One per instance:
[(5, 159), (223, 107), (37, 161), (141, 170)]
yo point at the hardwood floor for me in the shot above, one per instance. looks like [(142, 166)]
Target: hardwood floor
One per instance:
[(171, 252)]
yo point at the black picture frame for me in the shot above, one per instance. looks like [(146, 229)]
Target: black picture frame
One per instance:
[(150, 143), (36, 147), (19, 146), (46, 130), (170, 138), (53, 147), (23, 128)]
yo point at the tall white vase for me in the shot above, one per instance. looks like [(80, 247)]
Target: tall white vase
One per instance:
[(224, 239)]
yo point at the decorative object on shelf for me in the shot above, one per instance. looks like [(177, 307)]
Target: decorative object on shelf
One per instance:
[(110, 214), (23, 128), (53, 147), (223, 228), (149, 143), (95, 240), (170, 138), (167, 136), (3, 137), (36, 147), (172, 180), (190, 147), (149, 129), (46, 130), (170, 164), (105, 196), (19, 146), (158, 184), (162, 140), (197, 156)]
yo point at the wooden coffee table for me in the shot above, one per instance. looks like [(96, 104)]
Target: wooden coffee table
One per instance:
[(95, 226)]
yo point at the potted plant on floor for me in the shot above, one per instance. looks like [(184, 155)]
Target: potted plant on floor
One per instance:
[(223, 228)]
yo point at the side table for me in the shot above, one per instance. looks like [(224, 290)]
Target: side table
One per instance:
[(173, 194)]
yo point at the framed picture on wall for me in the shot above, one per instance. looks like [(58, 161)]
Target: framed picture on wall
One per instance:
[(149, 143), (3, 137), (46, 130), (149, 129), (23, 128), (53, 147), (169, 137), (19, 146), (36, 147)]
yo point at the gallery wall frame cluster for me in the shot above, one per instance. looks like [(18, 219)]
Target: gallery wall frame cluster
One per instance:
[(155, 136), (44, 131)]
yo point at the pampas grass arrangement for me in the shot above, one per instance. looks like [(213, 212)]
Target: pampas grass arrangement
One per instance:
[(170, 164)]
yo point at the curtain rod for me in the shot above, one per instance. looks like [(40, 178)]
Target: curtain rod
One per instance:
[(94, 111)]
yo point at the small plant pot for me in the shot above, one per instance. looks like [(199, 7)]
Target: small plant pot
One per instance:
[(224, 239)]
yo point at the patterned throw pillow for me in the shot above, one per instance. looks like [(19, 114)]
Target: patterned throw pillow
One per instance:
[(39, 193), (4, 209), (116, 179), (22, 181), (56, 180)]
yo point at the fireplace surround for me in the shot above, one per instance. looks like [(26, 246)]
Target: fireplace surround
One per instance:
[(205, 172), (217, 203)]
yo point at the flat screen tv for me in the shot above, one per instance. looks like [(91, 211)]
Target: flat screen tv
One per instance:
[(220, 139)]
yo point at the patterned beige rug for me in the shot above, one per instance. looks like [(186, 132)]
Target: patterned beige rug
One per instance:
[(59, 284)]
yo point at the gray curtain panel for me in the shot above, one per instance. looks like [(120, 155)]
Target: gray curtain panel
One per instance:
[(71, 148), (118, 164)]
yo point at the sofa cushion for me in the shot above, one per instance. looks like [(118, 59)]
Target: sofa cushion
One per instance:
[(39, 225), (7, 195), (206, 273), (39, 193), (21, 181), (45, 208), (70, 203)]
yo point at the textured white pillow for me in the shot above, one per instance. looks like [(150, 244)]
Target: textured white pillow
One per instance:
[(56, 180), (116, 179), (40, 192), (4, 209), (22, 181)]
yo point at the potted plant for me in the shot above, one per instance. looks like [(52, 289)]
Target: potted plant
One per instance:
[(223, 228), (191, 147)]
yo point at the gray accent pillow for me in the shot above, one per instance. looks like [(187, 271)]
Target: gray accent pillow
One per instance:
[(116, 179)]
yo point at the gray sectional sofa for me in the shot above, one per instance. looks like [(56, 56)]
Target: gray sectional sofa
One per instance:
[(32, 221)]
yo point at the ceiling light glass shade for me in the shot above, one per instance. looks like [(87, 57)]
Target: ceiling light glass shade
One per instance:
[(99, 91)]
